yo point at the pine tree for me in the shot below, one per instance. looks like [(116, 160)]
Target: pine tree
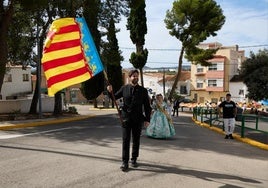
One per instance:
[(192, 22), (136, 23), (112, 58), (93, 87), (254, 74)]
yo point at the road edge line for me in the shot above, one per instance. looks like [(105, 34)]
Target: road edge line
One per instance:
[(42, 123), (236, 136)]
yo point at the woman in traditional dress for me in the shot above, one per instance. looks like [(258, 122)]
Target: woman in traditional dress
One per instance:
[(161, 125)]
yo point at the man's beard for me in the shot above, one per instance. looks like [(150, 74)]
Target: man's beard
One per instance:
[(135, 81)]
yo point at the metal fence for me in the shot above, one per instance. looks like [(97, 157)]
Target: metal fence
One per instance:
[(245, 121)]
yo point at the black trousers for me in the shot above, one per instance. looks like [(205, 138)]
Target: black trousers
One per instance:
[(132, 128), (175, 110)]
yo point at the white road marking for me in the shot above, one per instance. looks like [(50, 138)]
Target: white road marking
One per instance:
[(9, 136)]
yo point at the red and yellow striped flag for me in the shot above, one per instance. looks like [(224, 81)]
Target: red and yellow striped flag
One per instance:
[(64, 61)]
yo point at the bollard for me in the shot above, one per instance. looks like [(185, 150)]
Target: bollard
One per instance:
[(243, 126), (257, 122), (210, 117), (202, 115)]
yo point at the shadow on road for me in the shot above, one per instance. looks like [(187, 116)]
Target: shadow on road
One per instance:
[(204, 175), (149, 167), (103, 130)]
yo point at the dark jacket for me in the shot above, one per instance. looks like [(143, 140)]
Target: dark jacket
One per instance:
[(136, 105)]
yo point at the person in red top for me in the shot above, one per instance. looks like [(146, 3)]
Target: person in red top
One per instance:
[(229, 110)]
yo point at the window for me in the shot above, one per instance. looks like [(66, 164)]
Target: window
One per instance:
[(183, 90), (200, 70), (199, 85), (8, 78), (25, 77), (212, 67), (241, 92), (212, 83), (214, 100)]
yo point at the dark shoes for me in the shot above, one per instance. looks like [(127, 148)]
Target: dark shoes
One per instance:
[(229, 136), (134, 163), (124, 167)]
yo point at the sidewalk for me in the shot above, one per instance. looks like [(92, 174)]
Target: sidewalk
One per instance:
[(256, 139), (87, 111), (84, 111)]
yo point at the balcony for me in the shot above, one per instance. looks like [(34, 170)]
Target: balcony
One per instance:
[(210, 88), (200, 74)]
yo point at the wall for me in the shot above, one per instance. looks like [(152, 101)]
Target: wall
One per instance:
[(23, 105), (234, 91), (17, 86)]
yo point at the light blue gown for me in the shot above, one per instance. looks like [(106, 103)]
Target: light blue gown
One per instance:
[(160, 125)]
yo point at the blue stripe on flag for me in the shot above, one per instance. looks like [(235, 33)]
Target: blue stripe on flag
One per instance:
[(89, 47)]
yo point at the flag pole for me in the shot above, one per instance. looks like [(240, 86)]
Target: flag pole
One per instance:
[(113, 98)]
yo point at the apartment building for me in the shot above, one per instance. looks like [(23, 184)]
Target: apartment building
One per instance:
[(211, 83)]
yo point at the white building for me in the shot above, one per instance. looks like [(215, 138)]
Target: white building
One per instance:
[(151, 82), (238, 90), (154, 83), (17, 83)]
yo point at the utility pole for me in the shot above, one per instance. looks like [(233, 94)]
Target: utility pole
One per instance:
[(39, 72)]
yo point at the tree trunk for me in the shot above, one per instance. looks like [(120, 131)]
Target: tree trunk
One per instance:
[(95, 103), (178, 74), (141, 73), (4, 26), (58, 104), (139, 49), (33, 108)]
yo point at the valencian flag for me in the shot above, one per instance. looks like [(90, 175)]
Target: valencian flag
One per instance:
[(69, 55)]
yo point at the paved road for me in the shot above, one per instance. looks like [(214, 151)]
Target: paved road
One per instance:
[(87, 153)]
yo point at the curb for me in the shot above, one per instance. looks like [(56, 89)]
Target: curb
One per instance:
[(236, 136), (42, 123)]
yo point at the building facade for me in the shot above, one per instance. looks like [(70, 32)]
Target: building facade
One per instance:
[(211, 83), (17, 83), (161, 83)]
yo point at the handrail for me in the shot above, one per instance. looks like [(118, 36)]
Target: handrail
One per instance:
[(203, 113)]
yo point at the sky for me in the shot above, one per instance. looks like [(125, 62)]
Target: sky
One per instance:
[(246, 25)]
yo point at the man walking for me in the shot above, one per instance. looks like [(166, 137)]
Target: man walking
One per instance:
[(176, 106), (229, 113), (135, 101)]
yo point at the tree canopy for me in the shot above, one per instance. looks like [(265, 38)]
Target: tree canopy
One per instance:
[(22, 21), (111, 57), (192, 22), (254, 74), (104, 14), (136, 24)]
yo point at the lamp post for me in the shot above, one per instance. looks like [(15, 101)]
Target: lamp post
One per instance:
[(39, 73)]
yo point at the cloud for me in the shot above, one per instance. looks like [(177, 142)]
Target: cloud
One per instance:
[(246, 25)]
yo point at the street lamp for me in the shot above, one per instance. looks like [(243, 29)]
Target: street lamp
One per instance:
[(39, 72)]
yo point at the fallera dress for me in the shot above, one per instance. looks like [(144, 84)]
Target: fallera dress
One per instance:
[(161, 125)]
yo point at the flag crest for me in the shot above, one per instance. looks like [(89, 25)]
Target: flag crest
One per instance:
[(69, 55)]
